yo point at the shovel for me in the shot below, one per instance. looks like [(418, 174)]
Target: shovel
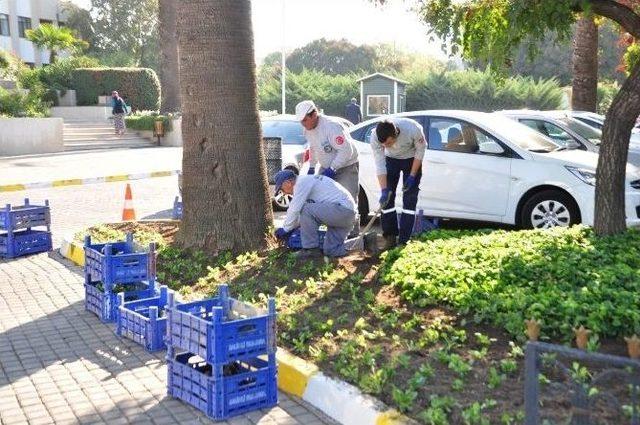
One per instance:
[(366, 240)]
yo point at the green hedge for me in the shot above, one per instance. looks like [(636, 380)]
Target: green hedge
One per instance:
[(147, 122), (139, 87), (480, 91), (330, 92), (563, 277)]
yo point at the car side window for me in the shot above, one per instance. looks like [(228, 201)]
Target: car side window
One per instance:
[(533, 124), (367, 133), (446, 134)]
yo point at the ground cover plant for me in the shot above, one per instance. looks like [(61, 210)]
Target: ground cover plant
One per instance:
[(435, 361)]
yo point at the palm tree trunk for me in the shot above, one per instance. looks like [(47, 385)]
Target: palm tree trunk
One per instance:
[(170, 71), (585, 66), (225, 194), (52, 56), (610, 179)]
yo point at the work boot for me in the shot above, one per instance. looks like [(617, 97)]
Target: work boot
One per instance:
[(389, 242), (306, 253)]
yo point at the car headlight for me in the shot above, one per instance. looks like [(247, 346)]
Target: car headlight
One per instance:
[(583, 174)]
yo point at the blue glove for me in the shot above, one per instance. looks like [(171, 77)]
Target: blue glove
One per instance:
[(281, 233), (311, 171), (409, 183), (385, 197), (329, 172)]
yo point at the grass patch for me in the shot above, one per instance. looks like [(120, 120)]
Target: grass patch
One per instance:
[(564, 277)]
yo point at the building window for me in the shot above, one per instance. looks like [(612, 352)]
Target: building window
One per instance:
[(24, 24), (378, 105), (4, 24), (45, 21)]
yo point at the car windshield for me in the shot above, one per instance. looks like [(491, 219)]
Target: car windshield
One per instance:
[(289, 131), (592, 134), (521, 135)]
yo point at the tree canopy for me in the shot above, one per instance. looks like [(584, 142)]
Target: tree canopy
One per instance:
[(55, 39)]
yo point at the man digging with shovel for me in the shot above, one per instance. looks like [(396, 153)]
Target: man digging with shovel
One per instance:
[(398, 146), (316, 200)]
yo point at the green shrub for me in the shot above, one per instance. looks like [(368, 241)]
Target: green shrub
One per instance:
[(607, 90), (330, 92), (14, 103), (480, 91), (139, 87), (563, 277), (145, 121)]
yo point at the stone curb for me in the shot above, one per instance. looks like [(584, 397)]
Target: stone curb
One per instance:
[(90, 180), (339, 400)]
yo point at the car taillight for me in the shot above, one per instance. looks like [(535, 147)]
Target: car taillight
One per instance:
[(306, 155)]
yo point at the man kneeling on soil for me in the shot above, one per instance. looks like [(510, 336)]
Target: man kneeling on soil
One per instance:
[(316, 200)]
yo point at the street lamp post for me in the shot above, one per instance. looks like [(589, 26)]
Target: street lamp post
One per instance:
[(284, 65)]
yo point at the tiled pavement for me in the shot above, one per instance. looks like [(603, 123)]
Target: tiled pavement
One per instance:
[(59, 364)]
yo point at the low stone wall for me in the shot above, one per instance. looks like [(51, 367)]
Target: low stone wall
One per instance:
[(25, 136), (81, 113)]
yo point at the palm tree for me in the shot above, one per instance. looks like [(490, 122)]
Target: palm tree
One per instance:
[(169, 71), (585, 66), (225, 194), (54, 39)]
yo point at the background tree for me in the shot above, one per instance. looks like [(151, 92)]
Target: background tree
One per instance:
[(169, 66), (120, 32), (554, 58), (54, 39), (491, 30), (332, 57), (226, 201), (584, 96)]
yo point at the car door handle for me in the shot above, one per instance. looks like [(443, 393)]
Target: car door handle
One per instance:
[(433, 161)]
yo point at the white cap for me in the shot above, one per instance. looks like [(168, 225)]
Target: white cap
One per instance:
[(303, 108)]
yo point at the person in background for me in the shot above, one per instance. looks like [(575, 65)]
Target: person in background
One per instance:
[(398, 146), (119, 110), (352, 112)]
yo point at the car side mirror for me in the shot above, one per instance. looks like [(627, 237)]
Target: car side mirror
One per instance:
[(492, 148)]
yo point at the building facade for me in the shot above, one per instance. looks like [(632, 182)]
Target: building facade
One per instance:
[(17, 16)]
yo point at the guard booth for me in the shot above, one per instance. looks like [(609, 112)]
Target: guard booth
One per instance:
[(381, 94)]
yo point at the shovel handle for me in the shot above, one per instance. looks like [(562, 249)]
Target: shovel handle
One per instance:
[(370, 223)]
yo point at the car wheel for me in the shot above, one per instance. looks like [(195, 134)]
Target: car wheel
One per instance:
[(281, 201), (363, 207), (550, 208)]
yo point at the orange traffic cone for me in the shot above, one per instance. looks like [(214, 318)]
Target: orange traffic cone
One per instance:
[(128, 212)]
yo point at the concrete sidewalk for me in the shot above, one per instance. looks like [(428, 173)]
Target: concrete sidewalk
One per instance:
[(61, 365), (87, 164)]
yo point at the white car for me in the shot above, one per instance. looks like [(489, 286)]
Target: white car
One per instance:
[(295, 150), (567, 131), (597, 121), (487, 167)]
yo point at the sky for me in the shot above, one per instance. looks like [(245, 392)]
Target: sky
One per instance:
[(359, 21)]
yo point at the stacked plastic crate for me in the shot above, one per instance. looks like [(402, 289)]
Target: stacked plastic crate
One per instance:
[(221, 355), (111, 268), (144, 321), (17, 237)]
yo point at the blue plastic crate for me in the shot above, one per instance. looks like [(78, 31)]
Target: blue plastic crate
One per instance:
[(25, 216), (222, 329), (251, 386), (118, 262), (104, 304), (144, 321), (24, 242), (177, 209), (295, 241)]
